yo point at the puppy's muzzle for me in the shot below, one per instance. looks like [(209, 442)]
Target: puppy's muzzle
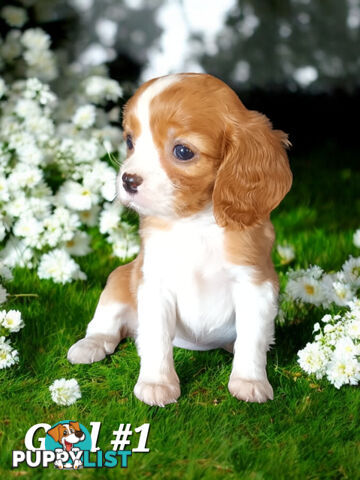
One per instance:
[(131, 181)]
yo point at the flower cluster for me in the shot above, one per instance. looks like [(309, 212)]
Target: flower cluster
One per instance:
[(27, 53), (55, 180), (10, 322), (323, 289), (335, 351)]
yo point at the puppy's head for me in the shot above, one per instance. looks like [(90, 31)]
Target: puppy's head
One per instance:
[(67, 434), (192, 144)]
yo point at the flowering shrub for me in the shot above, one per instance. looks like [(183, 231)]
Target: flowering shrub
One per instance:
[(10, 322), (55, 181), (323, 289), (335, 351)]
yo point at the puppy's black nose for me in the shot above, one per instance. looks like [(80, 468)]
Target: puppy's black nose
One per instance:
[(79, 434), (131, 182)]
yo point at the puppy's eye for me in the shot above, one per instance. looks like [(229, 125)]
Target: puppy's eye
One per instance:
[(183, 153), (72, 430), (65, 433), (129, 142)]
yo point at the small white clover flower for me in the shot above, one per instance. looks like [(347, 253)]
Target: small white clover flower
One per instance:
[(313, 359), (65, 392), (343, 370), (58, 266), (351, 270), (110, 217), (286, 253), (84, 117), (307, 289), (79, 245), (35, 39), (8, 355), (76, 196), (356, 236), (98, 89), (14, 16), (12, 321)]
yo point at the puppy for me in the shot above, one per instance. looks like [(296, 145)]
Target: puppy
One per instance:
[(204, 173)]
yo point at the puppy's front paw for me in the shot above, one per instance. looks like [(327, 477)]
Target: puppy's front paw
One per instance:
[(92, 349), (251, 390), (157, 394)]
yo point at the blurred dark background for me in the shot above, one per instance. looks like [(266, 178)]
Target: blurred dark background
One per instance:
[(297, 61)]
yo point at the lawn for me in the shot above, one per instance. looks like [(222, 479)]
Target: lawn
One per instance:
[(309, 431)]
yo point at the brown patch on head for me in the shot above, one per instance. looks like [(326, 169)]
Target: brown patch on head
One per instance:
[(240, 163), (185, 113), (252, 247)]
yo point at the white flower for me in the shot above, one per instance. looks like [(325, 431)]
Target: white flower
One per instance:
[(35, 39), (3, 88), (343, 370), (58, 266), (79, 245), (3, 294), (5, 272), (84, 117), (8, 355), (337, 290), (16, 254), (110, 217), (65, 392), (76, 196), (286, 252), (90, 217), (14, 16), (11, 48), (351, 270), (12, 321), (99, 89), (30, 229), (307, 289), (4, 191), (313, 359), (356, 236), (27, 108), (316, 327), (353, 329), (345, 347)]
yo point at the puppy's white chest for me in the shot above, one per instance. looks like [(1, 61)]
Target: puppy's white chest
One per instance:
[(189, 262)]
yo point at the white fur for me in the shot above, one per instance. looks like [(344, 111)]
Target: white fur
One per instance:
[(144, 161)]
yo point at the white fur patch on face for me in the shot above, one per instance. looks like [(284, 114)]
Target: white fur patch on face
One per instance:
[(155, 194)]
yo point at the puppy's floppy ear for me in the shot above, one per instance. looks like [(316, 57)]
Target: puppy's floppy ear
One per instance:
[(55, 432), (254, 175)]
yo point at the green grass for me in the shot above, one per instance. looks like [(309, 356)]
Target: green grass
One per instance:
[(309, 431)]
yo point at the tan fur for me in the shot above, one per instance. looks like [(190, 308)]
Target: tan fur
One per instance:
[(252, 247), (122, 283)]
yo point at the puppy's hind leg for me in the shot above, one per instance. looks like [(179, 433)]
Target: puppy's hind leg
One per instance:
[(115, 318)]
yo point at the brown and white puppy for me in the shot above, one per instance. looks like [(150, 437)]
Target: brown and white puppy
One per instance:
[(204, 173)]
